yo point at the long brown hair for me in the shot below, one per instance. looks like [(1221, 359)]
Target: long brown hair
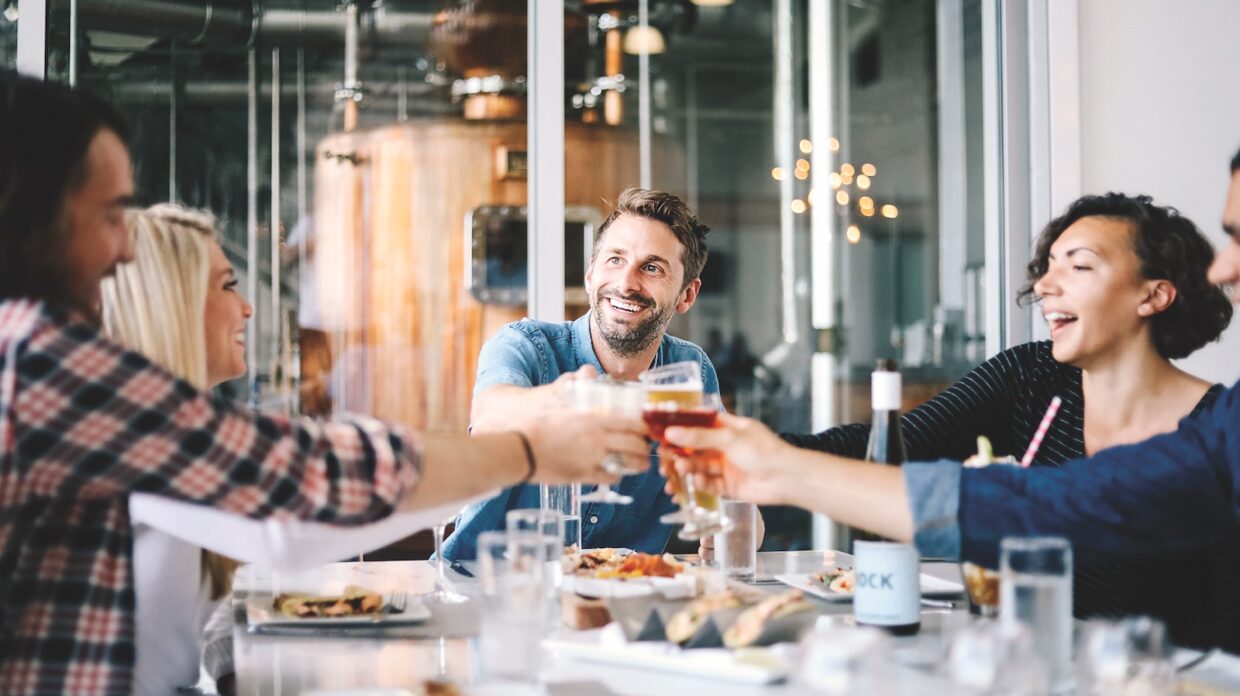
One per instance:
[(48, 131)]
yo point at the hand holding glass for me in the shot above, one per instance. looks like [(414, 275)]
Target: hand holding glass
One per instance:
[(674, 397), (608, 397)]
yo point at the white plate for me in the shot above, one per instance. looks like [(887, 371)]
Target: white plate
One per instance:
[(259, 612), (682, 586), (360, 692), (709, 663), (930, 587)]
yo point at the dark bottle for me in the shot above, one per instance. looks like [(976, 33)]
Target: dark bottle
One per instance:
[(894, 608), (886, 444)]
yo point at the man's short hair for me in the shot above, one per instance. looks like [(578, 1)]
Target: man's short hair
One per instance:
[(671, 211), (1235, 162)]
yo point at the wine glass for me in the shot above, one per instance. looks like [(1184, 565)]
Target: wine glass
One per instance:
[(674, 397), (608, 396), (442, 594)]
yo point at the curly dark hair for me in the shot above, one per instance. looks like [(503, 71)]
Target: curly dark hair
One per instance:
[(1170, 247)]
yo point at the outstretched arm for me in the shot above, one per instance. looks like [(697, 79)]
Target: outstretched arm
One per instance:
[(765, 469), (1172, 494)]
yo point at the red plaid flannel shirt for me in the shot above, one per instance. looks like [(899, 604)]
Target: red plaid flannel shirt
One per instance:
[(82, 424)]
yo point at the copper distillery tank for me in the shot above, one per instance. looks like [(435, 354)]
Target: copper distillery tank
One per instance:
[(390, 209)]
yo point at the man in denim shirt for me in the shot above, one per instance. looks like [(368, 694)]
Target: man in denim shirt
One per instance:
[(644, 269), (1174, 493)]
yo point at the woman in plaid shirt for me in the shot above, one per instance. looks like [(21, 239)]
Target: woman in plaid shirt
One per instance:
[(84, 423)]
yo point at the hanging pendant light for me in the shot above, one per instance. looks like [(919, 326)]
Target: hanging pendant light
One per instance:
[(647, 39)]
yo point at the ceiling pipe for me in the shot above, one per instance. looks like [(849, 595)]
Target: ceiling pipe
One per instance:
[(223, 23), (156, 91), (189, 23)]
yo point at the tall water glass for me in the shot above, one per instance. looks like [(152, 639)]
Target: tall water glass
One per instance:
[(513, 578), (566, 500), (736, 550), (1035, 590), (548, 527)]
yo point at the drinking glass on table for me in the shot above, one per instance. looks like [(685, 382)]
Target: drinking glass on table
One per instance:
[(1035, 591), (987, 658), (674, 396), (564, 500), (548, 527), (736, 550), (1129, 657), (513, 578), (608, 396)]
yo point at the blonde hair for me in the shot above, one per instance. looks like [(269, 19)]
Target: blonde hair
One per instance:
[(156, 304)]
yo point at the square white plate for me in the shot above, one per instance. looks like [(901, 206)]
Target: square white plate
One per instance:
[(260, 612), (930, 587)]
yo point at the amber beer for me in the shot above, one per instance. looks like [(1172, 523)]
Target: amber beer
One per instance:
[(658, 419), (670, 399)]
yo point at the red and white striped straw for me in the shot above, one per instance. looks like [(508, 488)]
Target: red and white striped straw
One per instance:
[(1045, 425)]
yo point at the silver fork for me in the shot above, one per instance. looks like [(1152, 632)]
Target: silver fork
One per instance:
[(395, 604)]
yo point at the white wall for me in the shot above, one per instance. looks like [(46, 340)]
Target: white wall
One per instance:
[(1160, 114)]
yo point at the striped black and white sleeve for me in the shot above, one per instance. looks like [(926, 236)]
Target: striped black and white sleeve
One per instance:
[(947, 426)]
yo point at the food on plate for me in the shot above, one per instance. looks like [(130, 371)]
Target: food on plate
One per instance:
[(587, 562), (620, 563), (750, 624), (687, 621), (643, 565), (354, 601), (837, 579)]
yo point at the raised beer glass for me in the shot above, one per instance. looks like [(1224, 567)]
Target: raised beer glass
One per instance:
[(674, 397), (608, 396)]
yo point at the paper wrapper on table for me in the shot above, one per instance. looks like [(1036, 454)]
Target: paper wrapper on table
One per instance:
[(786, 627), (583, 613), (640, 618), (710, 633)]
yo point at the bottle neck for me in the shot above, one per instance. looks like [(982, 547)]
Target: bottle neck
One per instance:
[(885, 391)]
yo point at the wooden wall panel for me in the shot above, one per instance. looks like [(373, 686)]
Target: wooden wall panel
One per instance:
[(392, 249)]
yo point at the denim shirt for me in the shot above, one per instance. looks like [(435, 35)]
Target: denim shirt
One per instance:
[(530, 353), (1174, 493)]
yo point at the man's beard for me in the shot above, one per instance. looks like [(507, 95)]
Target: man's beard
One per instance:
[(628, 341)]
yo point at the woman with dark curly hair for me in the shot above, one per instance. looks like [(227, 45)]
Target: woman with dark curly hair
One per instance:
[(1122, 283)]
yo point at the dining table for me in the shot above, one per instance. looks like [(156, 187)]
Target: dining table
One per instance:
[(397, 660)]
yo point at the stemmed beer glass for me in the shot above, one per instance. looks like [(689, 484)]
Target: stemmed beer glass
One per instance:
[(443, 594), (674, 396)]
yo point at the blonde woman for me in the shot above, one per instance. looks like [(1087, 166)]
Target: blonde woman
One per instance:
[(162, 304), (178, 303)]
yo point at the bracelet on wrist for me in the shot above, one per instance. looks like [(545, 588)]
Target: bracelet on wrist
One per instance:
[(529, 459)]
